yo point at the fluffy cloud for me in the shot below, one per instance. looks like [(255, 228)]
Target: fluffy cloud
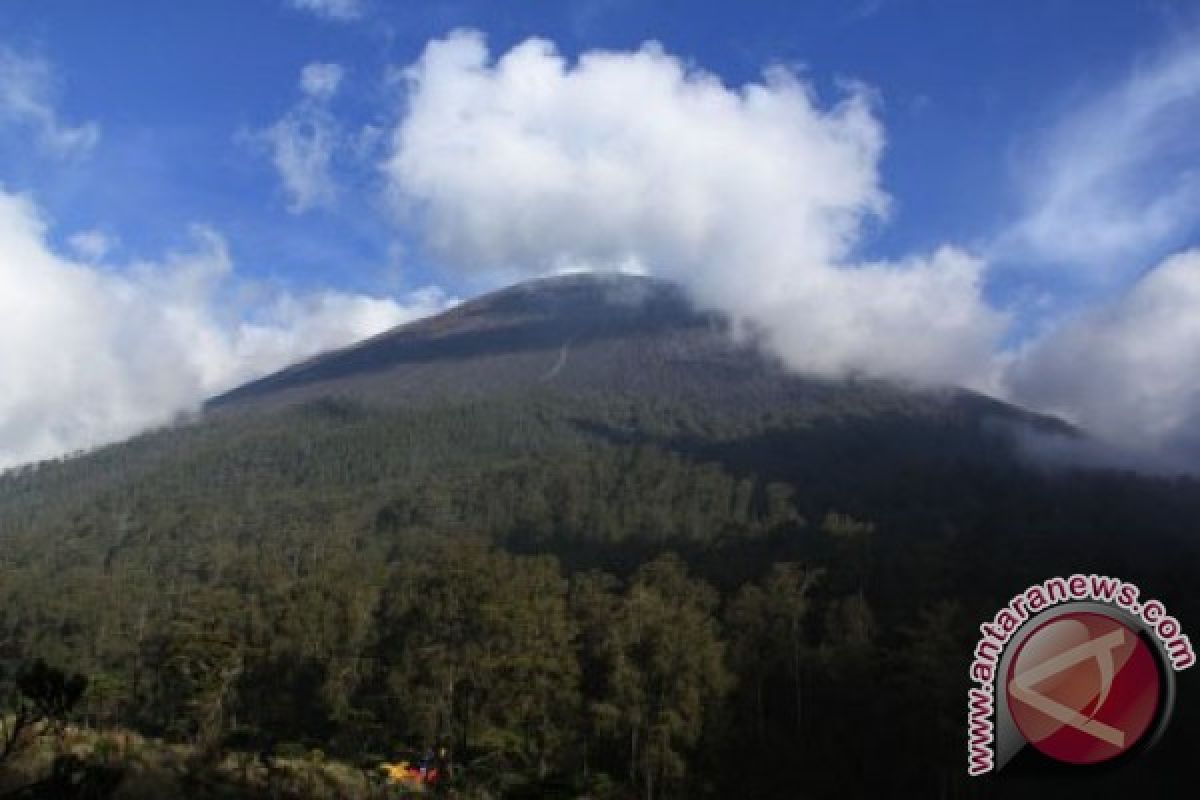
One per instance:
[(920, 320), (303, 142), (91, 246), (321, 80), (1113, 183), (26, 100), (1131, 369), (341, 10), (752, 197), (92, 355)]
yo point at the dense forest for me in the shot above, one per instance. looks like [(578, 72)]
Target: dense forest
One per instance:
[(601, 597)]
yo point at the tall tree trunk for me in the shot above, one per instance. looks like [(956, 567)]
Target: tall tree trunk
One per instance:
[(633, 749), (796, 673), (760, 712)]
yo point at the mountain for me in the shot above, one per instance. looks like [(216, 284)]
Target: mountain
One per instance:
[(627, 360), (557, 523), (588, 335)]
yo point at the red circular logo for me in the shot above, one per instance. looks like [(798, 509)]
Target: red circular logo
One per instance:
[(1083, 688)]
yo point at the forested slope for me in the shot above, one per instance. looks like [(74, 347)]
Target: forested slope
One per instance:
[(591, 550)]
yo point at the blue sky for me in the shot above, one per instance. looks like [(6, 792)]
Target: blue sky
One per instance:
[(1041, 149), (963, 86)]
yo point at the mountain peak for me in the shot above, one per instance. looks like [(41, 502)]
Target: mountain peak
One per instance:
[(591, 335), (519, 335)]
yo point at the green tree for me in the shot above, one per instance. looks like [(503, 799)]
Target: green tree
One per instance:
[(666, 671), (767, 626), (478, 648)]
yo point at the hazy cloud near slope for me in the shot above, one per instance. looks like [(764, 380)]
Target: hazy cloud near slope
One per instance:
[(754, 198), (1111, 188), (90, 355), (1130, 369)]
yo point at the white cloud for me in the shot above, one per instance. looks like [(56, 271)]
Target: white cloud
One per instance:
[(302, 146), (923, 319), (27, 90), (753, 198), (1129, 370), (91, 246), (1114, 182), (341, 10), (303, 143), (321, 80), (91, 356)]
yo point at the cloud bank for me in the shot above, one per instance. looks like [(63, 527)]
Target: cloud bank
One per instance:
[(1131, 368), (90, 355), (1112, 189), (754, 198)]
